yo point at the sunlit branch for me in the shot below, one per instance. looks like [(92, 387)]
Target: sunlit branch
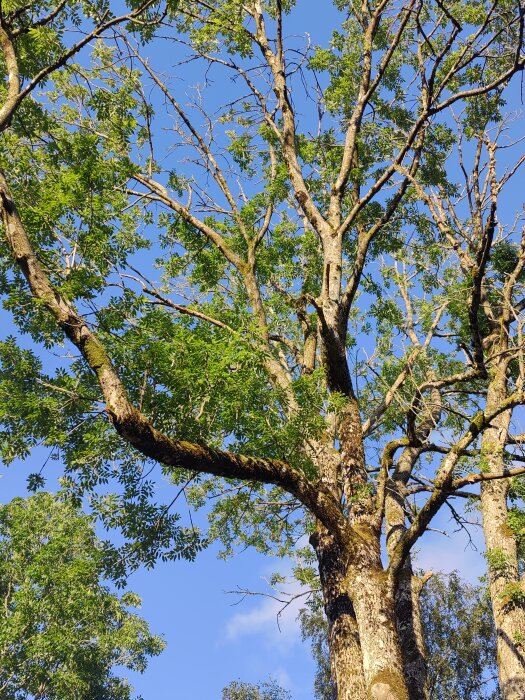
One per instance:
[(444, 479), (130, 423)]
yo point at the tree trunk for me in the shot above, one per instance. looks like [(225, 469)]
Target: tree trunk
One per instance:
[(365, 651), (408, 613), (410, 630), (506, 590), (381, 650), (373, 597), (346, 662)]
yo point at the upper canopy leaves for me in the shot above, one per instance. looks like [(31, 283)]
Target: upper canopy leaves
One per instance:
[(262, 259)]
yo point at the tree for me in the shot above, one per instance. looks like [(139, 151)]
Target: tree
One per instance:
[(461, 639), (477, 205), (459, 635), (62, 631), (312, 339), (247, 691)]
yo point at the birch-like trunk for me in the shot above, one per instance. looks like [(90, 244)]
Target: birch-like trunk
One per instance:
[(369, 588), (506, 589)]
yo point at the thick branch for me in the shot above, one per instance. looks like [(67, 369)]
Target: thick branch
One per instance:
[(47, 19), (130, 423), (13, 79)]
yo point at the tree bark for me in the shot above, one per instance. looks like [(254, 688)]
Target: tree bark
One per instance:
[(410, 630), (407, 606), (373, 597), (346, 661), (509, 611), (506, 588), (408, 613)]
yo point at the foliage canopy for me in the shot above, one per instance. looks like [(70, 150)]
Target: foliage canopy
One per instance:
[(62, 630), (295, 286)]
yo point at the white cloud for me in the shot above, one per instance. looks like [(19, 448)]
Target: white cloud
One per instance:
[(268, 618), (282, 678)]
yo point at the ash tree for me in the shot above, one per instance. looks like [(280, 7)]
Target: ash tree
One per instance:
[(460, 639), (293, 286)]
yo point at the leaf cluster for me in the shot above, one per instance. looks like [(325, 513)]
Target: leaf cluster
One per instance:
[(63, 631)]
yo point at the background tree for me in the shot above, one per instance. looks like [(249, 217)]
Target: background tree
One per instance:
[(461, 639), (298, 336), (237, 690), (62, 631), (314, 629)]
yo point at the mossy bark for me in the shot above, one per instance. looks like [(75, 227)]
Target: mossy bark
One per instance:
[(509, 611), (346, 662)]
